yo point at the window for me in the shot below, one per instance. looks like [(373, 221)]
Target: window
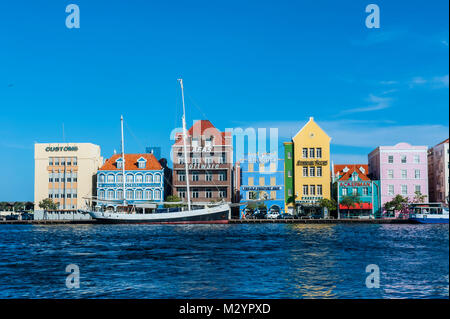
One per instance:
[(119, 163), (208, 193), (403, 159), (120, 194), (208, 160), (138, 194), (141, 164), (311, 153), (312, 171), (148, 194), (139, 178), (56, 161), (390, 189), (365, 191), (289, 192), (390, 173), (195, 176), (417, 188), (180, 160), (69, 161), (149, 178), (354, 177), (110, 194), (223, 194), (312, 190), (289, 155), (319, 171), (404, 174), (157, 179), (390, 159), (101, 194), (182, 193), (119, 178), (305, 171), (50, 161), (417, 174), (74, 177), (344, 192), (416, 159), (110, 178), (129, 194), (63, 161), (196, 160), (289, 173), (56, 177), (50, 177), (305, 152), (195, 193), (75, 161), (181, 176), (404, 189), (209, 176), (129, 179), (355, 191), (305, 189), (319, 152), (157, 194), (319, 190)]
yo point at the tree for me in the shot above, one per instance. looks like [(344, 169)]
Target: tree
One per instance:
[(398, 203), (350, 201), (47, 204), (419, 197), (329, 204), (173, 198)]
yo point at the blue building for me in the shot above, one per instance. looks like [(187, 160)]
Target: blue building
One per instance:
[(144, 179), (261, 176), (353, 181)]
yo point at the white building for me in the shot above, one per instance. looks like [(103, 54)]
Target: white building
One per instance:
[(65, 172), (438, 168)]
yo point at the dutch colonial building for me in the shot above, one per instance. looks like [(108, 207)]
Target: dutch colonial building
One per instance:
[(438, 172), (353, 180), (144, 179), (210, 158), (401, 169), (261, 176), (307, 170)]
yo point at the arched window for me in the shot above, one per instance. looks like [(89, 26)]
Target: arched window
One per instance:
[(157, 178), (101, 178), (119, 178), (120, 194), (149, 178), (157, 194), (139, 178), (139, 194), (130, 194), (110, 178), (148, 194), (129, 178), (110, 194), (101, 194)]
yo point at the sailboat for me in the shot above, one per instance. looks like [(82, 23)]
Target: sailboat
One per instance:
[(206, 213)]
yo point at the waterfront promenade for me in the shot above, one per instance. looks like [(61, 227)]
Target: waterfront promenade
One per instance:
[(231, 221)]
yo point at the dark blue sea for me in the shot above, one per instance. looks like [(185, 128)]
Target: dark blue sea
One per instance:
[(224, 261)]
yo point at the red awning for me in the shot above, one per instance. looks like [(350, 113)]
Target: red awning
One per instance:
[(357, 206)]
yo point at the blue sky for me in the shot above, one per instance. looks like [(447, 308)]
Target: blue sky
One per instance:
[(244, 64)]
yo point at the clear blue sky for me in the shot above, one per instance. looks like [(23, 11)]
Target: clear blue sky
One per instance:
[(244, 63)]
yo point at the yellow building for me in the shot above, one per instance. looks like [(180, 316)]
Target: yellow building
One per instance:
[(307, 170)]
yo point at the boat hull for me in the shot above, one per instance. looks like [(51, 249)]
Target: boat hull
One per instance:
[(215, 215), (428, 220)]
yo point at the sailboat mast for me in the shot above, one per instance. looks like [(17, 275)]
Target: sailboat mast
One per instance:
[(185, 147), (123, 162)]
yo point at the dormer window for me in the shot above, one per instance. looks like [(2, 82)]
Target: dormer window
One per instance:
[(362, 170), (141, 163), (119, 162), (354, 177)]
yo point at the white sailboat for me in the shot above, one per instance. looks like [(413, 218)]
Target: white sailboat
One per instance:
[(209, 213)]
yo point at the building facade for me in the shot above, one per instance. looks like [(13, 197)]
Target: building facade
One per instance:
[(144, 179), (401, 169), (64, 172), (210, 163), (307, 170), (438, 172), (261, 176), (353, 180)]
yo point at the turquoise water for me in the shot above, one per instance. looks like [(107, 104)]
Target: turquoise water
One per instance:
[(224, 261)]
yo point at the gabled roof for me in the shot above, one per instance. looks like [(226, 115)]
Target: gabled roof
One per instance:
[(310, 122), (344, 175), (199, 129), (131, 161)]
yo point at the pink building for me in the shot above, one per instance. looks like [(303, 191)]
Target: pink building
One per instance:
[(402, 169)]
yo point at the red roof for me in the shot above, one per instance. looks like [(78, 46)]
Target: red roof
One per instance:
[(344, 176), (131, 162), (202, 127)]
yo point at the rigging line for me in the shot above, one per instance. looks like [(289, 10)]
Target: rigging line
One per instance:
[(135, 137)]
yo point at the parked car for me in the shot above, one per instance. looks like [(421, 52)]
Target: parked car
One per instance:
[(259, 214), (27, 216), (272, 215), (285, 216)]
